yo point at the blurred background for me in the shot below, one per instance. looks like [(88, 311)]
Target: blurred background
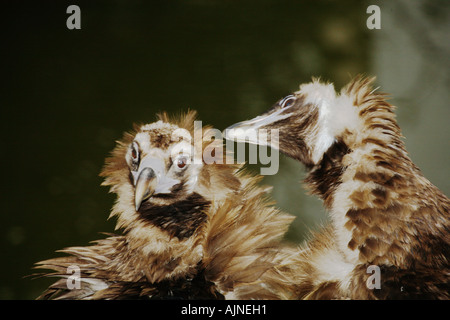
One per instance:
[(67, 95)]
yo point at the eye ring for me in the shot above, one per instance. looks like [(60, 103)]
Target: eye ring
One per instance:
[(287, 101)]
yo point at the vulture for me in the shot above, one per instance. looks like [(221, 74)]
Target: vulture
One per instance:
[(389, 230), (188, 229)]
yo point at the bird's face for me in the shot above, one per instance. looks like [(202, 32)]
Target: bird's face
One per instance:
[(164, 187), (308, 122), (161, 164), (289, 117)]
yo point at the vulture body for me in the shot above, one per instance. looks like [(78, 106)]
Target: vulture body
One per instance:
[(386, 217), (190, 230)]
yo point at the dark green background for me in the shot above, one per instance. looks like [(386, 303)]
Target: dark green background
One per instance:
[(67, 95)]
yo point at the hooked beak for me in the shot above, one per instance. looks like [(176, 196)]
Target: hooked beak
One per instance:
[(150, 179), (145, 186)]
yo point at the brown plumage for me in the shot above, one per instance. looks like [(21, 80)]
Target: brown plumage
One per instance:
[(190, 230), (384, 212)]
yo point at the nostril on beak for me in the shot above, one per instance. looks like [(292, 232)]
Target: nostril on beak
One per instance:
[(145, 186)]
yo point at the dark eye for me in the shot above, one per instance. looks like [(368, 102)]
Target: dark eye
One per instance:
[(181, 162), (134, 155), (287, 101)]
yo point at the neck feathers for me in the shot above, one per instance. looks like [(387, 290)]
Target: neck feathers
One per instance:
[(378, 199)]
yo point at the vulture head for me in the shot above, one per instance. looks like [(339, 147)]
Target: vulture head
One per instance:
[(309, 121), (164, 189)]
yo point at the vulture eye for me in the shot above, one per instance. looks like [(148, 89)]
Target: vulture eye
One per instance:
[(182, 162), (134, 155), (287, 101)]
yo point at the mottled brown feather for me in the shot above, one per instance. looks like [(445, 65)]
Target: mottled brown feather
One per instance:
[(384, 212), (232, 249)]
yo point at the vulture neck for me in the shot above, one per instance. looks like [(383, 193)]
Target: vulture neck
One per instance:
[(377, 198)]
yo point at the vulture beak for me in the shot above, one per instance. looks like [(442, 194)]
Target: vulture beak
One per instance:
[(254, 124), (145, 186), (247, 131), (150, 179)]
